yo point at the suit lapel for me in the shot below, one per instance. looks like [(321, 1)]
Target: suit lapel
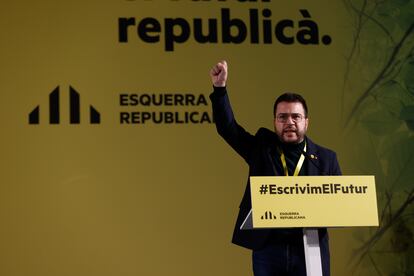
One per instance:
[(272, 154), (312, 169)]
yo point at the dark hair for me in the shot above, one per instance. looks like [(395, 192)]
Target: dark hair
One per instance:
[(290, 98)]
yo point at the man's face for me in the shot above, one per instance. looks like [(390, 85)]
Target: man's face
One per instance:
[(290, 122)]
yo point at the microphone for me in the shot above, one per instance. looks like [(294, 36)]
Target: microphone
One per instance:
[(310, 158)]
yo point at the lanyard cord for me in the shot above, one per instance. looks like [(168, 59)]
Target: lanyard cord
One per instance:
[(298, 165)]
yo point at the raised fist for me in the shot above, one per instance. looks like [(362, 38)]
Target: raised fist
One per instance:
[(218, 74)]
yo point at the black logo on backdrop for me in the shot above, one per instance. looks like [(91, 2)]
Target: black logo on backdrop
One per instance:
[(74, 109)]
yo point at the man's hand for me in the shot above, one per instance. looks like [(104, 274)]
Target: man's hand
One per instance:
[(218, 74)]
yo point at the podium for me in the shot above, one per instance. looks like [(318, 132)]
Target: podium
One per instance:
[(312, 202)]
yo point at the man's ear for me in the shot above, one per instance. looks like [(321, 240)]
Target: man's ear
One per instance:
[(306, 123)]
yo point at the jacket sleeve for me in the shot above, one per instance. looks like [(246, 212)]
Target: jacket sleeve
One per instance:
[(336, 170), (239, 139)]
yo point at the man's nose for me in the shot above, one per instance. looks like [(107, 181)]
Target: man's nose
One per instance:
[(289, 120)]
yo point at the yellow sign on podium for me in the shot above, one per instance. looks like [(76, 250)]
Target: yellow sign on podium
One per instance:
[(313, 201)]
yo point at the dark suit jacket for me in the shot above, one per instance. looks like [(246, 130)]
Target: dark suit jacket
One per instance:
[(260, 153)]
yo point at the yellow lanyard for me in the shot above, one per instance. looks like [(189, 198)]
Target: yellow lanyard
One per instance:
[(298, 165)]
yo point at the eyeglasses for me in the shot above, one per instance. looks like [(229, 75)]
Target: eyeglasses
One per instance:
[(283, 117)]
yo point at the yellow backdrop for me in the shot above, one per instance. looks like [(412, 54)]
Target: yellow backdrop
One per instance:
[(147, 199)]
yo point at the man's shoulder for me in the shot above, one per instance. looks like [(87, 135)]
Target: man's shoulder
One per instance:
[(265, 132), (265, 135), (321, 150)]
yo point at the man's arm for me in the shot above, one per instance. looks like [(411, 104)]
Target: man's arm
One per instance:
[(239, 139), (336, 170)]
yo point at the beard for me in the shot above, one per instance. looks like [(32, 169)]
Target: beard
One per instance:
[(291, 135)]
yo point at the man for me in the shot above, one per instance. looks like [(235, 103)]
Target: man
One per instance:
[(268, 153)]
